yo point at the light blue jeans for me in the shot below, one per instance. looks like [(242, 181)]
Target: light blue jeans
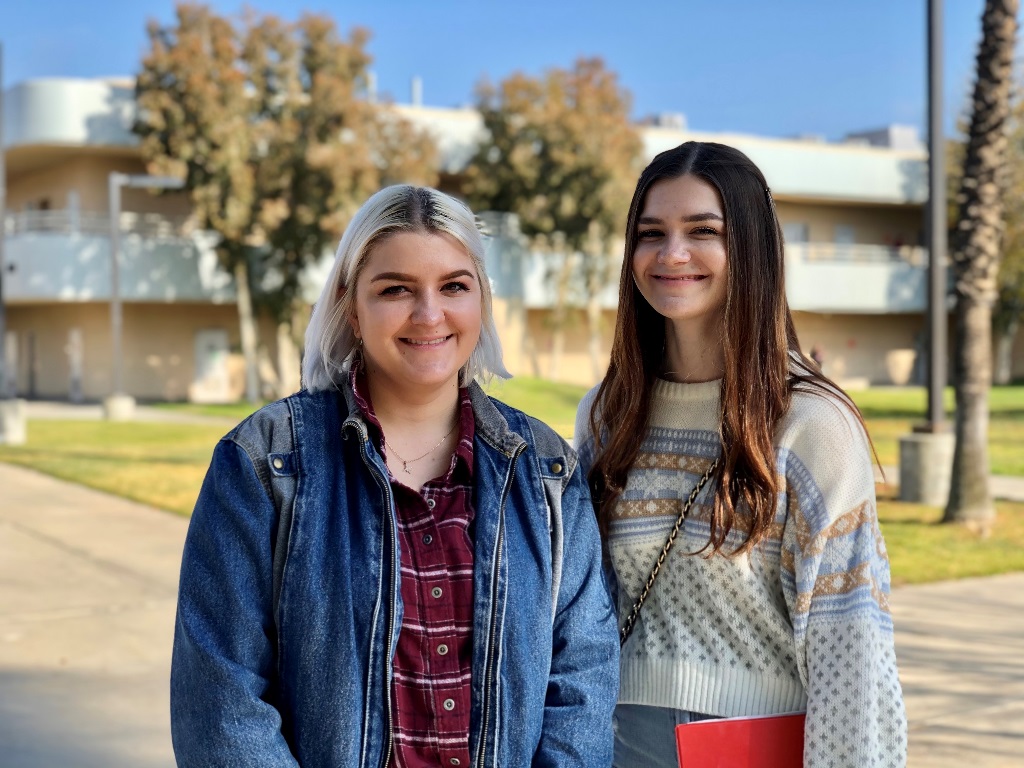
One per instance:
[(645, 737)]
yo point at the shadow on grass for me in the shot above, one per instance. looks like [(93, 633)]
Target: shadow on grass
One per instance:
[(35, 458)]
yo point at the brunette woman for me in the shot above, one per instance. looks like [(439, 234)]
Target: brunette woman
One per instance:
[(774, 596)]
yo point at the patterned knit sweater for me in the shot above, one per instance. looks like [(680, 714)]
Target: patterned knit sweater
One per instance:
[(801, 622)]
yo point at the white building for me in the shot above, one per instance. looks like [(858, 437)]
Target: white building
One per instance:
[(852, 214)]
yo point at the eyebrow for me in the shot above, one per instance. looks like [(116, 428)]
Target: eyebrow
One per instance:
[(406, 278), (706, 216)]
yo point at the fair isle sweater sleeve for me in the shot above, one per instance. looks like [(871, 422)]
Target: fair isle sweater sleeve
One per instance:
[(582, 438), (835, 577)]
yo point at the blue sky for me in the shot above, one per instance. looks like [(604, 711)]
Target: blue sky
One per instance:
[(776, 68)]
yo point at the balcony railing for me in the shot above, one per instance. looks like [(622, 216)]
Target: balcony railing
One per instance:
[(70, 222), (857, 253)]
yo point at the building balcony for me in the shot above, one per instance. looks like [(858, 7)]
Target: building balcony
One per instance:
[(64, 256), (837, 278), (820, 277)]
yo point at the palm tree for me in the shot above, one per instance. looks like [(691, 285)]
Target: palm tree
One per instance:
[(977, 248)]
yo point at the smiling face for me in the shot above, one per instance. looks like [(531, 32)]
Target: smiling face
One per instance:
[(680, 262), (417, 311)]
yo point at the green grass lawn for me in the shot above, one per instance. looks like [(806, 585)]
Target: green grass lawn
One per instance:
[(163, 465), (157, 464), (923, 550), (891, 413)]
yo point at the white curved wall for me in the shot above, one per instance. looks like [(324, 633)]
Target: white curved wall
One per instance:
[(67, 111)]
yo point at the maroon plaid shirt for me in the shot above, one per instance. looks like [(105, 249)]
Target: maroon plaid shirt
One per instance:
[(433, 660)]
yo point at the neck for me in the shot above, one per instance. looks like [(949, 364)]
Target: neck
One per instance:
[(414, 411), (693, 351)]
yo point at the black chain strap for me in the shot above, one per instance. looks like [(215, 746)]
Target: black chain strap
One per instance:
[(627, 628)]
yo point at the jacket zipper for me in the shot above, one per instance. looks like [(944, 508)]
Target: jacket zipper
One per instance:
[(386, 486), (390, 628), (492, 637)]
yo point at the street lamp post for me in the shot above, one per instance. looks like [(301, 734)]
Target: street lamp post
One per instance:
[(926, 455), (120, 406)]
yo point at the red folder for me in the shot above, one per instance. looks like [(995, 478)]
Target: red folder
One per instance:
[(771, 741)]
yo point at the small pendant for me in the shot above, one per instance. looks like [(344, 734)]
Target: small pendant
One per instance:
[(405, 467)]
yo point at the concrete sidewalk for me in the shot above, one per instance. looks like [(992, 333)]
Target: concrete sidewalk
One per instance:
[(87, 591)]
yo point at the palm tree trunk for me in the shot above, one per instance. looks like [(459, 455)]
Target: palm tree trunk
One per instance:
[(970, 502), (976, 255)]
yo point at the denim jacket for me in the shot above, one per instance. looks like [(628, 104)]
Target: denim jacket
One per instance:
[(299, 673)]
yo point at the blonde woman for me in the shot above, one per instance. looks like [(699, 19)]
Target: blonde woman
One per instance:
[(391, 568)]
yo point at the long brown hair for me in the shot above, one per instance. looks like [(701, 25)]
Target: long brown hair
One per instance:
[(758, 338)]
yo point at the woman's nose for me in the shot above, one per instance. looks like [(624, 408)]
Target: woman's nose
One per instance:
[(427, 311), (674, 251)]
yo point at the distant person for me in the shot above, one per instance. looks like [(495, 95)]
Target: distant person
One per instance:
[(817, 356), (774, 596), (391, 568)]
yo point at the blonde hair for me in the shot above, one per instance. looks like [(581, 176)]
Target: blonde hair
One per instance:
[(330, 342)]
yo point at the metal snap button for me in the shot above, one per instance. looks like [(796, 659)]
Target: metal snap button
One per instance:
[(556, 468), (449, 704), (455, 761), (442, 649), (278, 463), (428, 539), (436, 592), (431, 503)]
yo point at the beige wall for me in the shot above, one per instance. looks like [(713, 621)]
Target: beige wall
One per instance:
[(158, 348), (160, 364), (877, 225), (863, 349), (527, 340), (88, 176), (859, 350)]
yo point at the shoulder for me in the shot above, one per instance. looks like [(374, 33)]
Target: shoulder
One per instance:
[(541, 437), (588, 400), (504, 426), (581, 433), (825, 454), (816, 419), (273, 428)]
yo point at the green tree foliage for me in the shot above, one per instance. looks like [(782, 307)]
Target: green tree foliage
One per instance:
[(268, 123), (323, 147), (560, 152), (1008, 309)]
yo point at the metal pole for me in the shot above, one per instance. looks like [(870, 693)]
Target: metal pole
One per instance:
[(936, 238), (115, 278)]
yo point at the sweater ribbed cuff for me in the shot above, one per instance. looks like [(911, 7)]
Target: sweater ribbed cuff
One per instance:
[(717, 691)]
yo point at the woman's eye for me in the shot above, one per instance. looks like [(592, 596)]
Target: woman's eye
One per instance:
[(648, 234), (705, 231), (393, 290), (455, 287)]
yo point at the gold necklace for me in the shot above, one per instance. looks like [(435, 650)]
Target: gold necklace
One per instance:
[(407, 462)]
